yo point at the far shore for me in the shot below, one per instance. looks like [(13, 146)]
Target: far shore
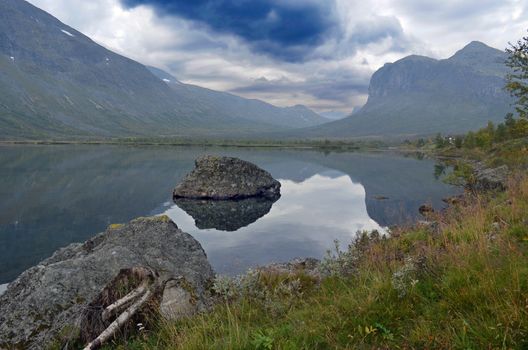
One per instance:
[(293, 144)]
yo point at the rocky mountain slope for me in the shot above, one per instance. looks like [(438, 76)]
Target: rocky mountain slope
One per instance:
[(56, 82), (422, 95)]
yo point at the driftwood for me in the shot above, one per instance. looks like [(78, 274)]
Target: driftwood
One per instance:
[(120, 321), (132, 291), (123, 302), (132, 298)]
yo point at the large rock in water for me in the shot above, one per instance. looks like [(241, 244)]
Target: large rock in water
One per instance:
[(227, 178), (50, 298)]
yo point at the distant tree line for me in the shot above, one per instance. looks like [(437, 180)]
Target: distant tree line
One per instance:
[(511, 128)]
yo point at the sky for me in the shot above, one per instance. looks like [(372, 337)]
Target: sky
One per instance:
[(320, 53)]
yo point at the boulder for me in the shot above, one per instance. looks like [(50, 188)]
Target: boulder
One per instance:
[(490, 178), (308, 266), (225, 178), (50, 298), (177, 301)]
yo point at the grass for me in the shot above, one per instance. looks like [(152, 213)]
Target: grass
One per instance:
[(462, 286)]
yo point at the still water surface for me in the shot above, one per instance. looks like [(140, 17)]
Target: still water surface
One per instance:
[(51, 196)]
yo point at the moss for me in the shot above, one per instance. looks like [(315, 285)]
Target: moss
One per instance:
[(158, 218), (188, 287), (115, 226), (163, 218), (68, 334)]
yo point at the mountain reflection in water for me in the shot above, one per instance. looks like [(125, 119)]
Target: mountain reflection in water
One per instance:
[(305, 221)]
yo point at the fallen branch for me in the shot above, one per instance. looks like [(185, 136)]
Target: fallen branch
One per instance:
[(123, 302), (119, 322)]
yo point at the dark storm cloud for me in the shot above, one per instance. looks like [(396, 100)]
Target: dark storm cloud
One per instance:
[(285, 29), (378, 29)]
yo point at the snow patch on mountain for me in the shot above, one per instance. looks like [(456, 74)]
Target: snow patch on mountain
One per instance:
[(67, 33)]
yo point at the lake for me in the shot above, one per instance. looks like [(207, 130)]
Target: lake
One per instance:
[(51, 196)]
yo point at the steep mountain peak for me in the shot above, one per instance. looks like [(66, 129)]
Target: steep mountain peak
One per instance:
[(420, 95), (481, 57), (476, 45), (399, 76), (474, 49)]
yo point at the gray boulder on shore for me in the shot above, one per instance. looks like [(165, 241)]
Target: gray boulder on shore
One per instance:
[(225, 178), (490, 178), (50, 298)]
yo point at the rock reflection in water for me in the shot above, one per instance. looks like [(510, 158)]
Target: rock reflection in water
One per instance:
[(225, 215)]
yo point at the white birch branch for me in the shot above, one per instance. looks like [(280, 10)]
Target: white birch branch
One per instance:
[(119, 322), (121, 303)]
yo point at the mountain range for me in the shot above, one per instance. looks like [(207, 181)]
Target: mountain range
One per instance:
[(57, 82), (418, 95)]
